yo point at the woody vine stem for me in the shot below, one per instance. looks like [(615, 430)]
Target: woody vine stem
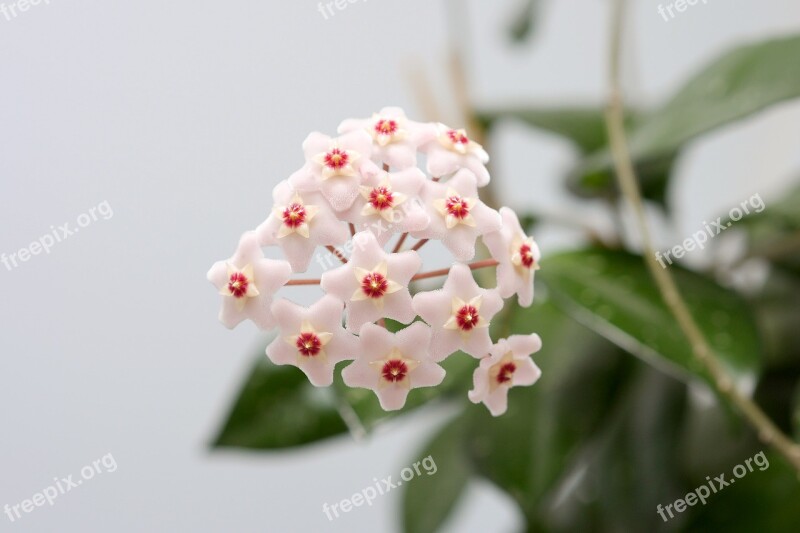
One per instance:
[(767, 431)]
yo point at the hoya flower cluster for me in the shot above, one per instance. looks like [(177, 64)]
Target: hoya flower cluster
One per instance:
[(362, 196)]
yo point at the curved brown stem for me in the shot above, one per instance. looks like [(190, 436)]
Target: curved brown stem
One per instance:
[(400, 241), (486, 263), (339, 255), (419, 244), (298, 282)]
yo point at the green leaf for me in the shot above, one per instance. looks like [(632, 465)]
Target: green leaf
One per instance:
[(527, 450), (594, 177), (278, 408), (584, 126), (738, 84), (612, 293), (429, 499)]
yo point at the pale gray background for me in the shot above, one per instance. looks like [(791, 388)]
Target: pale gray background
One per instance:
[(183, 115)]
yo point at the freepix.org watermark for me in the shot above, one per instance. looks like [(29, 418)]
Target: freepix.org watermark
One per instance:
[(703, 492), (699, 239), (378, 226), (676, 7), (45, 243), (326, 9), (60, 487), (380, 488), (12, 10)]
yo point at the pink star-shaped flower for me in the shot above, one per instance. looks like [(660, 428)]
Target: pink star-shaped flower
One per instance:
[(247, 282), (335, 167), (458, 217), (300, 222), (312, 339), (459, 313), (391, 364), (389, 204), (518, 256), (373, 283), (453, 150), (509, 365), (395, 138)]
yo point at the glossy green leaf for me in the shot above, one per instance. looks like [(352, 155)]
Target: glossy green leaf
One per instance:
[(594, 177), (584, 126), (734, 86), (741, 82), (278, 408), (612, 293), (429, 499)]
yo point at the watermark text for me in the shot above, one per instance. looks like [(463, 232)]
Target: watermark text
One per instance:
[(57, 234), (699, 239), (381, 487), (60, 487), (703, 492)]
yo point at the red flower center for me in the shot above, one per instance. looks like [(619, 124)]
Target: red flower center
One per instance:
[(394, 370), (308, 344), (386, 127), (237, 284), (467, 317), (526, 255), (457, 137), (294, 215), (336, 159), (374, 285), (506, 372), (457, 207), (381, 198)]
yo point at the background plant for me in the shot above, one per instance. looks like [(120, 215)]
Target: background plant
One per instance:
[(605, 437)]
